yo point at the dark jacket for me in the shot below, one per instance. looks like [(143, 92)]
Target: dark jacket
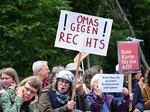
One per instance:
[(138, 101), (48, 102)]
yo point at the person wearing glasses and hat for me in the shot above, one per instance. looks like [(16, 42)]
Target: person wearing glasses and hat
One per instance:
[(57, 98)]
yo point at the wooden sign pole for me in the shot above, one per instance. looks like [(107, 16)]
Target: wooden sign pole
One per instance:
[(76, 76), (130, 89)]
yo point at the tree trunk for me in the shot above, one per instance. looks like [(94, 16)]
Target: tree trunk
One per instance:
[(133, 34)]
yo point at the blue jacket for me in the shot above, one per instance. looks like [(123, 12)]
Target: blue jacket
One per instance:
[(106, 103)]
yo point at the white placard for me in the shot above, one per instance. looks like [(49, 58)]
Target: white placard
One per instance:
[(111, 82), (83, 33)]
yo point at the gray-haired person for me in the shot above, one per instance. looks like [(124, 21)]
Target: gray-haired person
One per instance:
[(41, 70)]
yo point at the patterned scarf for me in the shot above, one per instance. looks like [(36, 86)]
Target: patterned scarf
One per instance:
[(62, 98)]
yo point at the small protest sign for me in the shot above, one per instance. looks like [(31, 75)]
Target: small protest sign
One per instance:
[(128, 56), (83, 33), (111, 83)]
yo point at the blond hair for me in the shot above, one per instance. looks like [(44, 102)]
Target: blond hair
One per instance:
[(12, 73)]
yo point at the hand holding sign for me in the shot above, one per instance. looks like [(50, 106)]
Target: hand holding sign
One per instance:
[(83, 33)]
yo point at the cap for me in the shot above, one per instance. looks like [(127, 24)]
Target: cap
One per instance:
[(72, 67), (65, 74)]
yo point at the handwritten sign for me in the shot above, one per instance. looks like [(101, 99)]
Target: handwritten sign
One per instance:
[(83, 33), (111, 82), (128, 56)]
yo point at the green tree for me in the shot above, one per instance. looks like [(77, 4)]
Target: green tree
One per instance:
[(27, 32), (120, 29)]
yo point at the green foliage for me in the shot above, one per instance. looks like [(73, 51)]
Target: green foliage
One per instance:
[(139, 17), (28, 30), (90, 7), (120, 30)]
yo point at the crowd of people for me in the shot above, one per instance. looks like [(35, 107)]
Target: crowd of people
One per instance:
[(46, 91)]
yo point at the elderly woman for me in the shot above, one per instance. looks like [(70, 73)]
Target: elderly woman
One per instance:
[(57, 98), (97, 101), (23, 97)]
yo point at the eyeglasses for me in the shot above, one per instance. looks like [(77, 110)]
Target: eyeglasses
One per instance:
[(63, 82), (31, 91)]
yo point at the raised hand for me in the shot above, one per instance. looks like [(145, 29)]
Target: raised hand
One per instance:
[(20, 91), (136, 110), (79, 86), (2, 92), (125, 91)]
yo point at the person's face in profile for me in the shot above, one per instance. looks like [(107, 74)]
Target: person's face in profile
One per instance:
[(44, 71)]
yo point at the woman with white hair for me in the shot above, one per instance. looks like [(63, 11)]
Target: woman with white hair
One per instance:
[(97, 101)]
